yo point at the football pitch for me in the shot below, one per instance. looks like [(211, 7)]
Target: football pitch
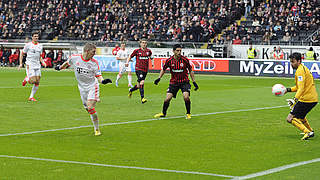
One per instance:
[(237, 131)]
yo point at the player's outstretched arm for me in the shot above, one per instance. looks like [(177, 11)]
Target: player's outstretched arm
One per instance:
[(159, 78), (196, 87), (104, 81), (63, 66)]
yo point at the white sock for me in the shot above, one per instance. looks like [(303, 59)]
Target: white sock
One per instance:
[(95, 121), (34, 90), (130, 79), (118, 77)]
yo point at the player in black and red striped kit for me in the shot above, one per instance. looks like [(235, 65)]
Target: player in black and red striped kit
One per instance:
[(179, 68), (143, 54)]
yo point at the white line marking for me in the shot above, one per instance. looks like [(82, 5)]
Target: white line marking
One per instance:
[(117, 166), (277, 169), (138, 121)]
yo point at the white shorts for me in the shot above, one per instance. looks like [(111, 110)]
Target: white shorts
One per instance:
[(32, 72), (123, 68), (89, 94)]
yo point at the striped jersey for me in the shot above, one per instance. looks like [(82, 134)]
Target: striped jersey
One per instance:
[(179, 69), (33, 52), (142, 59), (86, 71)]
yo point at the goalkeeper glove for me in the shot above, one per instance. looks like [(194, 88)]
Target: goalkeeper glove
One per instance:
[(106, 81), (292, 102), (156, 81), (57, 68), (196, 87)]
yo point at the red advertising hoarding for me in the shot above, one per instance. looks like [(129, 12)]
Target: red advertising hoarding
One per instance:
[(198, 64)]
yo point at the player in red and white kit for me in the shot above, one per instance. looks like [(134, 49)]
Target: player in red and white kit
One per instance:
[(143, 54), (122, 56), (88, 75), (33, 50), (179, 68)]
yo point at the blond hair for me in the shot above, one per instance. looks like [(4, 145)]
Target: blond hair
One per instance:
[(88, 46)]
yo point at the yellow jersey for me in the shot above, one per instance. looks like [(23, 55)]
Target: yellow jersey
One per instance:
[(305, 88)]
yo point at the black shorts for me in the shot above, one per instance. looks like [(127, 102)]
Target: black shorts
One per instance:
[(301, 109), (174, 88), (141, 75)]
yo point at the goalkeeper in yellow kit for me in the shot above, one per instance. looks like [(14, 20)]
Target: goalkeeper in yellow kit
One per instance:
[(305, 99)]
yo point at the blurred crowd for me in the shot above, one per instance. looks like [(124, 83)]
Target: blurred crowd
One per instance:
[(169, 20), (274, 21)]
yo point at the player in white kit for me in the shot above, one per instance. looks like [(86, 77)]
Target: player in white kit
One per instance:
[(122, 56), (33, 50), (88, 75)]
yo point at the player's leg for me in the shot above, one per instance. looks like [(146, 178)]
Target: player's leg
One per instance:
[(36, 83), (165, 106), (137, 86), (94, 116), (185, 88), (93, 97), (26, 78), (141, 87), (141, 90), (297, 123), (129, 76), (171, 93), (121, 68)]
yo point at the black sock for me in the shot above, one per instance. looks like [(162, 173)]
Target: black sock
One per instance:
[(141, 91), (165, 107), (134, 88), (188, 103)]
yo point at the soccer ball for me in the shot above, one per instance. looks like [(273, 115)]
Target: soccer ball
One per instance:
[(278, 90)]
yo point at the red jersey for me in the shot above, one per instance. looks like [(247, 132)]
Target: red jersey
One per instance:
[(142, 59), (179, 69)]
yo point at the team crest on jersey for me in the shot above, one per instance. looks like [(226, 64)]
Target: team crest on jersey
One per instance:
[(77, 63), (147, 53), (181, 64)]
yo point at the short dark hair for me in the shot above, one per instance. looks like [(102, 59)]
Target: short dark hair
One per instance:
[(310, 49), (176, 46), (34, 32), (296, 56)]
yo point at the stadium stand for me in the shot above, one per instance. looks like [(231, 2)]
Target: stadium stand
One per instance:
[(171, 20), (281, 22)]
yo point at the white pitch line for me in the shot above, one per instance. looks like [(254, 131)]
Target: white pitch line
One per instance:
[(118, 166), (277, 169), (138, 121)]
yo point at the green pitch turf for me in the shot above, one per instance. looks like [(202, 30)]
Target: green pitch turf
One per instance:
[(228, 135)]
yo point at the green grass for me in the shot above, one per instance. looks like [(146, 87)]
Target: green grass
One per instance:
[(230, 143)]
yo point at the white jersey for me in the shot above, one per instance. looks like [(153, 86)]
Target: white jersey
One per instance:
[(33, 52), (86, 71), (123, 54)]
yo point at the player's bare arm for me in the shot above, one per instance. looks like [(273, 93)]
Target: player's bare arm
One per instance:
[(42, 62), (159, 78), (196, 87), (20, 60), (152, 61), (128, 60), (63, 66)]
